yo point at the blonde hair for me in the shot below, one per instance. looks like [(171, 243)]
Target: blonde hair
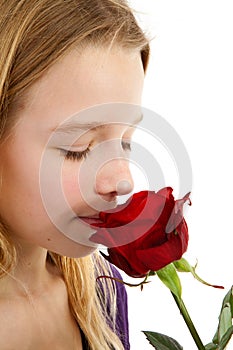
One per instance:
[(34, 34)]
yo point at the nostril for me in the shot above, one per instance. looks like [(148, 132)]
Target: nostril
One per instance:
[(124, 187)]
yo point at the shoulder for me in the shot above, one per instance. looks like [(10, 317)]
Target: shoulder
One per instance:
[(13, 330)]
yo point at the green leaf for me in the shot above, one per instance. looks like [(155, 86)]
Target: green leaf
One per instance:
[(229, 299), (162, 342), (211, 346), (225, 339), (225, 319), (170, 278)]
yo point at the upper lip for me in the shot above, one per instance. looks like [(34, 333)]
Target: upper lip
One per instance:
[(96, 215), (90, 217)]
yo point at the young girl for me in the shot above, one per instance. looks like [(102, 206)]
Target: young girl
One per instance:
[(59, 58)]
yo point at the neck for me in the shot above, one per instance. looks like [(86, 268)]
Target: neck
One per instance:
[(31, 275)]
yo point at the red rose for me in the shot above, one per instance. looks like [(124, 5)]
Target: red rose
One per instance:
[(146, 233)]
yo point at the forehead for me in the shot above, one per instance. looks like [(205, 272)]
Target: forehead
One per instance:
[(78, 82)]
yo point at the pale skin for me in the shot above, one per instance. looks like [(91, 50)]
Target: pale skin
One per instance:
[(35, 310)]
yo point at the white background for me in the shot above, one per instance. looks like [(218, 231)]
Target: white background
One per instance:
[(190, 84)]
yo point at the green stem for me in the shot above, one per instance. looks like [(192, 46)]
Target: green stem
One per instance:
[(188, 321)]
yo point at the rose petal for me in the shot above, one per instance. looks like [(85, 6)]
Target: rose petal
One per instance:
[(157, 257)]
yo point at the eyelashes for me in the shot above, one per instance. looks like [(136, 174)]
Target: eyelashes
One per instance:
[(76, 155), (80, 155)]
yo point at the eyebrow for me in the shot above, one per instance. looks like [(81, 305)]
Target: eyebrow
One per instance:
[(72, 126)]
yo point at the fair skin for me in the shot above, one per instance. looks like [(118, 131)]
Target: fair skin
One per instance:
[(73, 84)]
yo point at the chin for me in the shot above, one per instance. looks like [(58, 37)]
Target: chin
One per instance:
[(77, 251)]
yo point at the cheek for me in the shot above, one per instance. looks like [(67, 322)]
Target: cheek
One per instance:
[(20, 176), (70, 185), (21, 206)]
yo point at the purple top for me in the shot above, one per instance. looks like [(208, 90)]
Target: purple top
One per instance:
[(122, 327)]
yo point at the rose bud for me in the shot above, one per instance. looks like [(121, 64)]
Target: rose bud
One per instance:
[(145, 234)]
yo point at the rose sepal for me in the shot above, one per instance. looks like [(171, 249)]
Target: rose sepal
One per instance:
[(140, 284), (183, 265), (170, 278)]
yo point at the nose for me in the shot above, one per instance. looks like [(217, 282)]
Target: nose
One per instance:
[(124, 187), (114, 178)]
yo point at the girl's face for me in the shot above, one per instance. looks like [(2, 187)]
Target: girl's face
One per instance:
[(57, 166)]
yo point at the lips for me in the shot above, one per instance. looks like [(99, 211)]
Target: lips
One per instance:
[(90, 220)]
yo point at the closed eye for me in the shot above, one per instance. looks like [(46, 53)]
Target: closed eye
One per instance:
[(79, 155), (75, 155)]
